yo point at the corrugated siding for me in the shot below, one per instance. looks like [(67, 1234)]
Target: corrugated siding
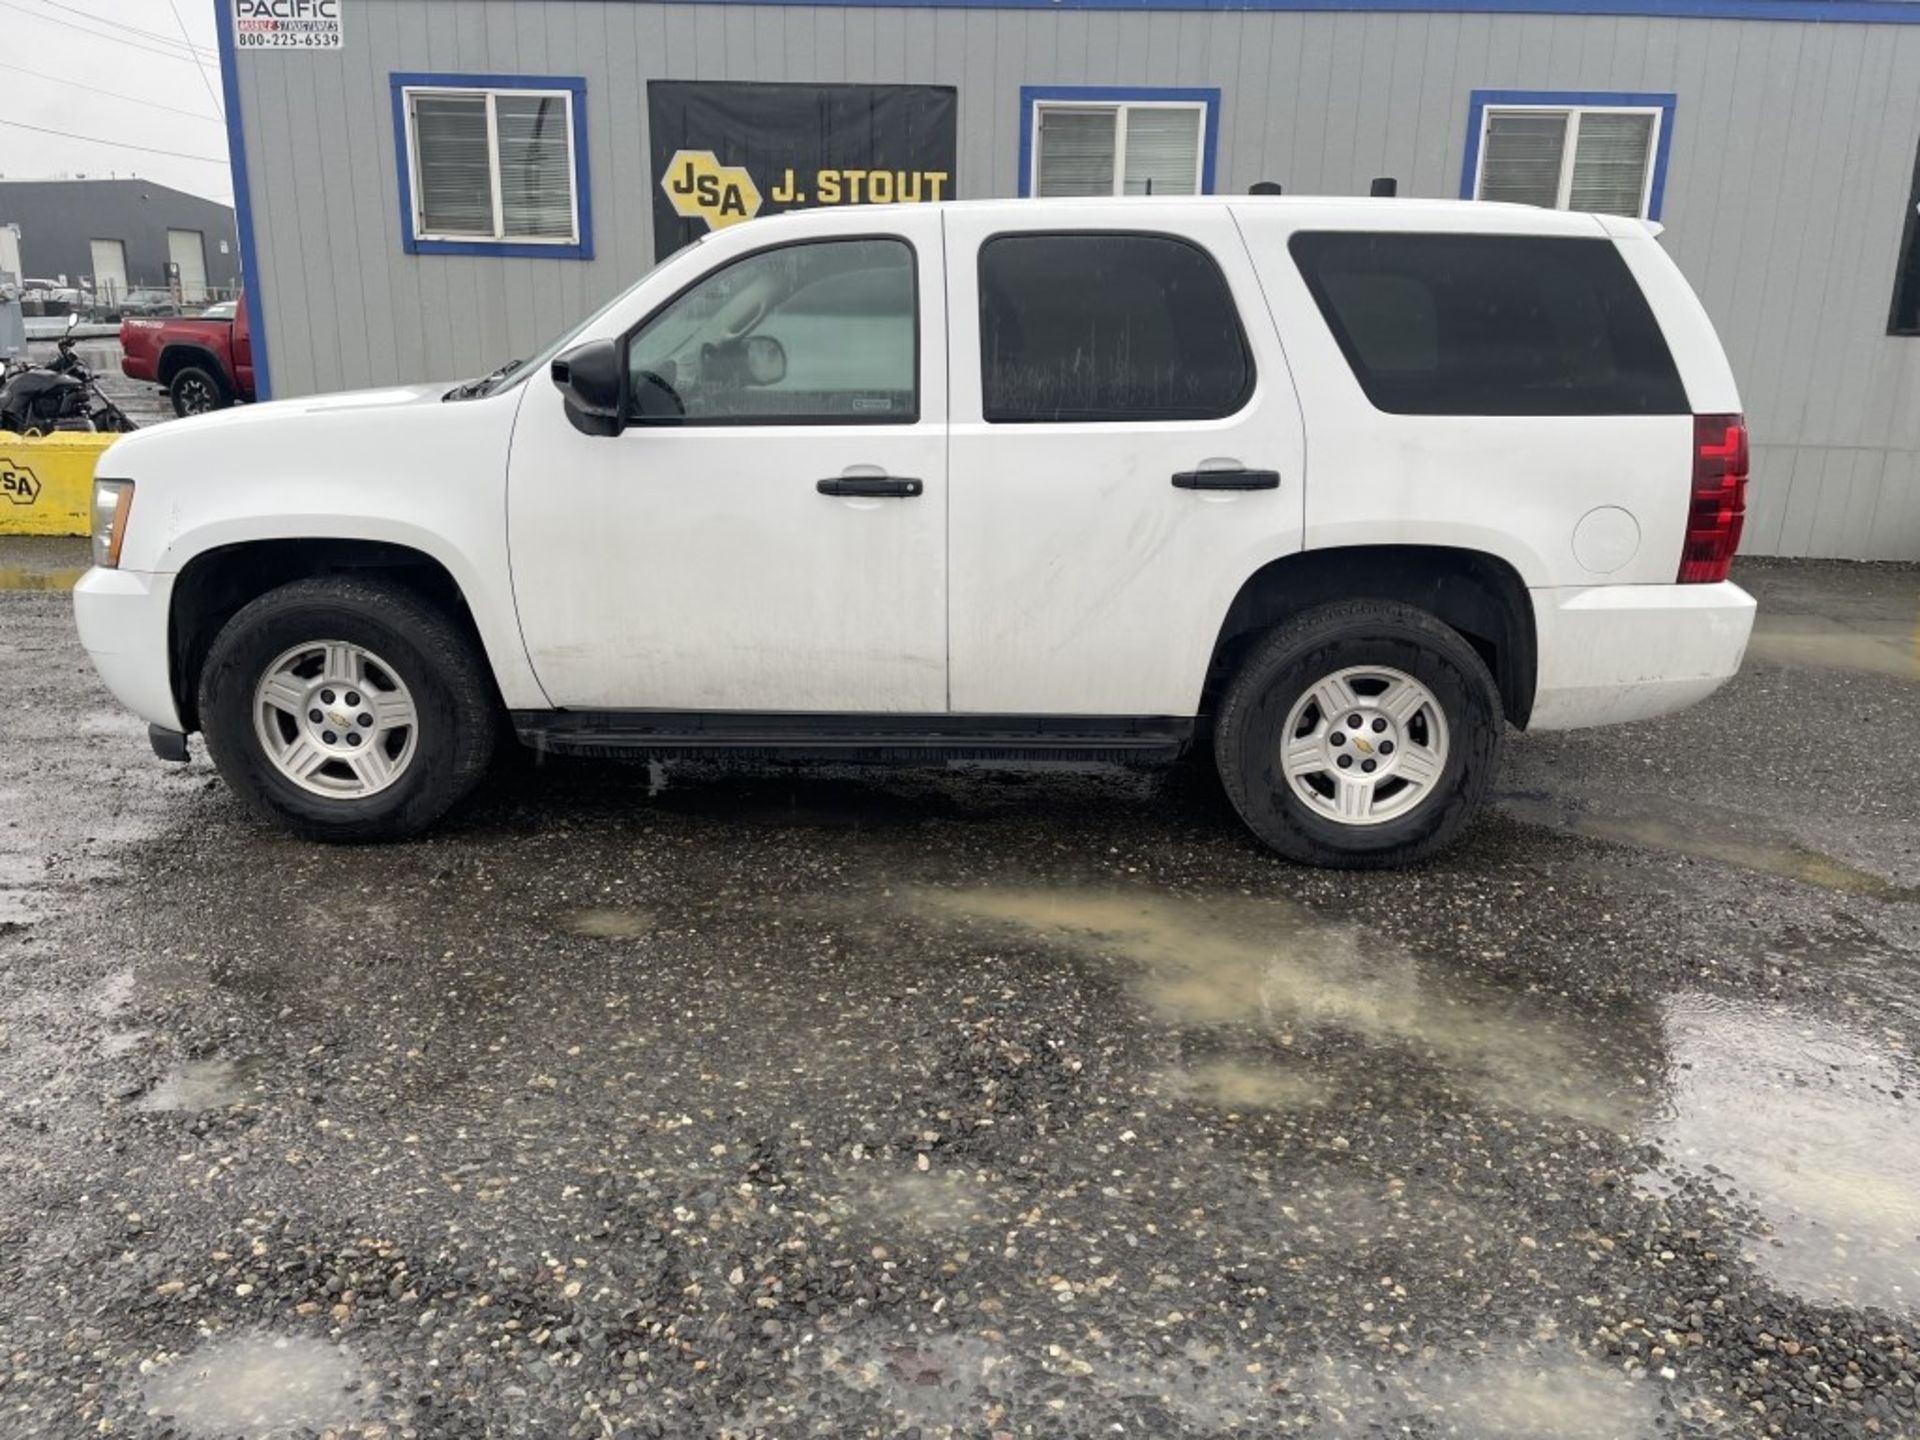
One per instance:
[(1793, 151)]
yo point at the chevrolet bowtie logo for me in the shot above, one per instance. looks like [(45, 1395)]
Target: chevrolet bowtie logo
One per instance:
[(1363, 746), (339, 721)]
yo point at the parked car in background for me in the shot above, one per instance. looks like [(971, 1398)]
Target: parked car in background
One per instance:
[(1336, 490), (203, 362), (148, 301)]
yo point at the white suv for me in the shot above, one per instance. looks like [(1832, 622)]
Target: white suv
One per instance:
[(1339, 488)]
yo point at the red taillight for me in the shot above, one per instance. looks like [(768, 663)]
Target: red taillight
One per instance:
[(1719, 504)]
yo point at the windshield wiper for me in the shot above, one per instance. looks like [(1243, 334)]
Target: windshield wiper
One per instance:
[(474, 388)]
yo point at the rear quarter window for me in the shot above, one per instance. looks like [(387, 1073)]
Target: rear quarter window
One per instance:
[(1490, 324)]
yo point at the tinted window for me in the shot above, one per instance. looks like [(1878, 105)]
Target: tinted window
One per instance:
[(803, 333), (1906, 279), (1491, 324), (1107, 327)]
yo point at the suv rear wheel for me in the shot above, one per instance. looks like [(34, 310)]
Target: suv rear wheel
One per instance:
[(347, 709), (1361, 734)]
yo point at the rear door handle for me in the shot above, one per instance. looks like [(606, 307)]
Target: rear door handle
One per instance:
[(1227, 480), (901, 486)]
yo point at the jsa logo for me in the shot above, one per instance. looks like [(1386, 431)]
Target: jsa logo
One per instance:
[(701, 188), (18, 484)]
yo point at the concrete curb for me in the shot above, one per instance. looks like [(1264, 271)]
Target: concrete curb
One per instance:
[(46, 482)]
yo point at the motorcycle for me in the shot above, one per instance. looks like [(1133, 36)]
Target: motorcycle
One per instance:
[(60, 396)]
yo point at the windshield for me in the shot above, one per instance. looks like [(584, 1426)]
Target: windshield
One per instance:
[(518, 370)]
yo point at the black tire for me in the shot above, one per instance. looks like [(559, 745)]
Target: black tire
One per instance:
[(437, 661), (1298, 655), (196, 390)]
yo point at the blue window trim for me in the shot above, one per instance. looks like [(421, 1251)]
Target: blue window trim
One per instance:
[(1032, 95), (401, 80), (243, 202), (1640, 100)]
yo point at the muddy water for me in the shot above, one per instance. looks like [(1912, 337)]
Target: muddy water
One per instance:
[(209, 1084), (260, 1387), (1808, 641), (20, 577), (1274, 969), (609, 923), (1249, 1085), (968, 1385), (1704, 833), (1814, 1124)]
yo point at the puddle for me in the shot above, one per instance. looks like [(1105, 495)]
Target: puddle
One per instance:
[(1291, 976), (211, 1084), (259, 1387), (1241, 1085), (1808, 642), (1817, 1126), (20, 577), (940, 1202), (1727, 838), (1530, 1394), (609, 924), (964, 1385)]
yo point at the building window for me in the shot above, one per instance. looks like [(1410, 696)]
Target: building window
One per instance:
[(1906, 279), (1107, 328), (1600, 152), (493, 164), (1092, 140)]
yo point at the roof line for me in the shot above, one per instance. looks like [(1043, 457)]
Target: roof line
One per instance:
[(1852, 12)]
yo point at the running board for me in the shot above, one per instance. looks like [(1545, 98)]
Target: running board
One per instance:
[(662, 734)]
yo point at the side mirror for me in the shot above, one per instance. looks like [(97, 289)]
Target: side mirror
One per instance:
[(73, 319), (592, 378), (766, 360)]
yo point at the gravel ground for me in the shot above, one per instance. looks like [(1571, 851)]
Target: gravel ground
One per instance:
[(1040, 1103)]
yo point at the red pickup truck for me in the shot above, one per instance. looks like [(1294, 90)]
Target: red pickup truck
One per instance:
[(203, 363)]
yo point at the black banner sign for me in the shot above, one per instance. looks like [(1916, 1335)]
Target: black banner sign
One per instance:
[(724, 152)]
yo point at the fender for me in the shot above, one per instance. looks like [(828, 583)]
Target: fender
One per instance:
[(497, 626), (395, 466)]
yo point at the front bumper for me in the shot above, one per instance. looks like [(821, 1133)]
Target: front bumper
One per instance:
[(122, 618), (1613, 653)]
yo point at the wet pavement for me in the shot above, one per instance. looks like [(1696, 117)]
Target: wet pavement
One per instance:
[(678, 1101)]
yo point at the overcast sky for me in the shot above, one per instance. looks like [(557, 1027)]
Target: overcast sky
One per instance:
[(148, 89)]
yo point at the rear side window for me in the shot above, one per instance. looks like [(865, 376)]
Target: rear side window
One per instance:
[(1491, 324), (1107, 327)]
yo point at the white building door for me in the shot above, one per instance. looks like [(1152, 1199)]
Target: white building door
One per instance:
[(187, 249), (109, 271)]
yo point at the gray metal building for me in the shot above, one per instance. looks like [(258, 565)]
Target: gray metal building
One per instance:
[(434, 186), (110, 236)]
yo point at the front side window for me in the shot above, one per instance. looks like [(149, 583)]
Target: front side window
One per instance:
[(1601, 158), (820, 332), (1107, 327), (493, 166), (1468, 324), (1083, 143)]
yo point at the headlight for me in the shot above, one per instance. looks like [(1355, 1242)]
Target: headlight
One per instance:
[(111, 501)]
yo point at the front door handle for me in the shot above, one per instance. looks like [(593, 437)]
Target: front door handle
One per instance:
[(1227, 480), (901, 486)]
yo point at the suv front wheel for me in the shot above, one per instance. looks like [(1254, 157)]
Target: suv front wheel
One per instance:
[(347, 709), (1361, 734)]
